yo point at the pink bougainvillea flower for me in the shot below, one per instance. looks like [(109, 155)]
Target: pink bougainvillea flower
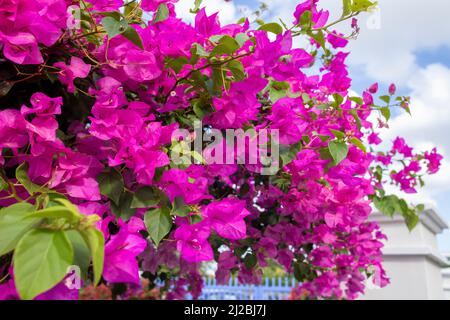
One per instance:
[(392, 89), (21, 48), (192, 242), (152, 5), (319, 18), (76, 69), (400, 146), (434, 160), (42, 105), (12, 129), (226, 217), (120, 256), (337, 40), (374, 139)]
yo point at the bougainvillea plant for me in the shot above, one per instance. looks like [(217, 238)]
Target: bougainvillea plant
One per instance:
[(91, 95)]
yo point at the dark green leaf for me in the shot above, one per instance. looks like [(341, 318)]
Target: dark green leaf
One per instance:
[(131, 34), (146, 197), (338, 151), (111, 185), (158, 223), (179, 207), (237, 69), (123, 209)]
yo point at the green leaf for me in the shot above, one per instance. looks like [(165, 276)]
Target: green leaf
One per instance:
[(305, 19), (96, 244), (201, 110), (196, 8), (386, 112), (111, 185), (250, 261), (13, 225), (82, 256), (362, 5), (346, 7), (161, 14), (420, 207), (41, 260), (338, 134), (288, 153), (386, 99), (55, 212), (412, 220), (3, 184), (123, 209), (272, 27), (241, 38), (237, 69), (338, 151), (114, 27), (146, 197), (355, 115), (158, 223), (131, 34), (22, 177), (278, 90), (319, 37), (357, 100), (179, 207), (358, 143), (226, 45), (200, 50), (388, 205)]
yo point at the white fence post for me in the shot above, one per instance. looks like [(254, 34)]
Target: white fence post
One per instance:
[(446, 277), (412, 259)]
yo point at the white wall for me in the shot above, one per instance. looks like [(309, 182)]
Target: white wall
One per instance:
[(411, 259)]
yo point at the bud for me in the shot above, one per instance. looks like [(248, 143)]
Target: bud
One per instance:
[(392, 89)]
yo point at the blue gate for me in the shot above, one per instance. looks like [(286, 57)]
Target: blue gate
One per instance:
[(271, 289)]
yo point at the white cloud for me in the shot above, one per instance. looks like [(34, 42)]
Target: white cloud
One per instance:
[(228, 11)]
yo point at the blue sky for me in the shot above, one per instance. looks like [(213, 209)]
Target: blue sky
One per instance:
[(405, 42)]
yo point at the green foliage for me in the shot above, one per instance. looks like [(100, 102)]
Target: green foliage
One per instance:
[(158, 222), (13, 225), (124, 208), (272, 27), (338, 150), (22, 177), (47, 237), (391, 205), (111, 185), (162, 13), (114, 26), (41, 260), (96, 244), (146, 197)]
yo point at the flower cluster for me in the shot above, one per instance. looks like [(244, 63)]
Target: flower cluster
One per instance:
[(86, 124)]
